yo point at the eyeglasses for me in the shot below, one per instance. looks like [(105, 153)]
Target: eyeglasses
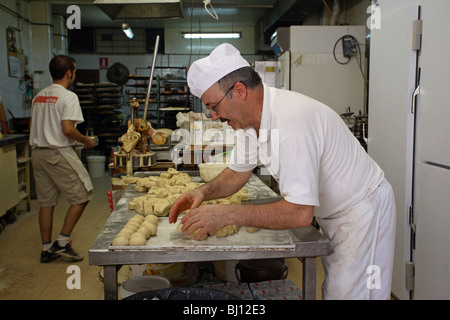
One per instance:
[(214, 107)]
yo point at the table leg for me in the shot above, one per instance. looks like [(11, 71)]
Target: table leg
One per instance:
[(110, 282), (309, 278)]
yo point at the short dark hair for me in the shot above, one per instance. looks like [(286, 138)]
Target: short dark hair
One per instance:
[(59, 65), (246, 75)]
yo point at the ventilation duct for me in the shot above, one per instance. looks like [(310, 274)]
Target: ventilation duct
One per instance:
[(125, 10)]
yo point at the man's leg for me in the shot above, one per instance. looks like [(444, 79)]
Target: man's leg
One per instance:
[(45, 226), (46, 223), (62, 246), (73, 215)]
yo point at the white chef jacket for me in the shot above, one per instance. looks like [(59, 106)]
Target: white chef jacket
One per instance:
[(310, 151), (317, 161), (52, 105)]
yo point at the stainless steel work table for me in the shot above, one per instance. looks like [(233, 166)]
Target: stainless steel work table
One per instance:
[(307, 244)]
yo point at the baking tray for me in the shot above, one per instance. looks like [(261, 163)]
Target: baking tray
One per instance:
[(168, 239)]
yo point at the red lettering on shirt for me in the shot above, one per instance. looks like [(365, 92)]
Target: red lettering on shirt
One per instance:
[(42, 99)]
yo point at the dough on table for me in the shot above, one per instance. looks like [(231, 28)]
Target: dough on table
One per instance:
[(131, 227), (162, 207), (138, 218), (133, 223), (137, 241), (251, 229), (126, 232), (120, 241), (148, 207), (193, 234), (225, 231), (147, 229), (173, 171), (152, 219), (150, 227), (140, 188)]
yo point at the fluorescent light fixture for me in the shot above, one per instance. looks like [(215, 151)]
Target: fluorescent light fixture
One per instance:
[(127, 30), (212, 35)]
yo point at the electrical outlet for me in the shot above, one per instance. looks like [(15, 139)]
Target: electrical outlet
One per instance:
[(348, 47)]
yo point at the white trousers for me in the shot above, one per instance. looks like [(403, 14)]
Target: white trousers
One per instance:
[(362, 248)]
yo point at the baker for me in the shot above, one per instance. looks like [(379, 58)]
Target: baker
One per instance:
[(321, 168), (55, 113)]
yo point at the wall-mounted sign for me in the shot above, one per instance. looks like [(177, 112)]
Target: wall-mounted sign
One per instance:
[(13, 56), (103, 62)]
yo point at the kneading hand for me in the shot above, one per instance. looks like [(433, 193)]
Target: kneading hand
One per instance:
[(207, 218), (188, 200)]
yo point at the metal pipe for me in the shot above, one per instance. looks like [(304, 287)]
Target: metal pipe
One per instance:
[(147, 98)]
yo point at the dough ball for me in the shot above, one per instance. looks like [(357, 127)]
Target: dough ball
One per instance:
[(133, 224), (153, 229), (152, 219), (150, 226), (138, 218), (131, 227), (138, 241), (172, 171), (251, 229), (145, 231), (131, 205), (140, 189), (125, 232), (137, 235), (120, 241)]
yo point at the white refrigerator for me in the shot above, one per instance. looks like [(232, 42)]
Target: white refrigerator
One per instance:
[(308, 63), (409, 115)]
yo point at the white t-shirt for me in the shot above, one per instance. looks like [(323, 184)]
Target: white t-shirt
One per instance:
[(310, 151), (52, 105)]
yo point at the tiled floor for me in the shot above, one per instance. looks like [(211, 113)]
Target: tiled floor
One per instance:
[(23, 277)]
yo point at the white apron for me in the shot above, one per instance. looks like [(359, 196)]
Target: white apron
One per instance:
[(362, 248), (69, 154)]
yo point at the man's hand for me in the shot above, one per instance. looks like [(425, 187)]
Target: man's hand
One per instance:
[(69, 130), (89, 143), (188, 200), (207, 218)]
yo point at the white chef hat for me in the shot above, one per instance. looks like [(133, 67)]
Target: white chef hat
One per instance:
[(204, 72)]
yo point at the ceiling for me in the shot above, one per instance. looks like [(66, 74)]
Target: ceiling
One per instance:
[(231, 13)]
